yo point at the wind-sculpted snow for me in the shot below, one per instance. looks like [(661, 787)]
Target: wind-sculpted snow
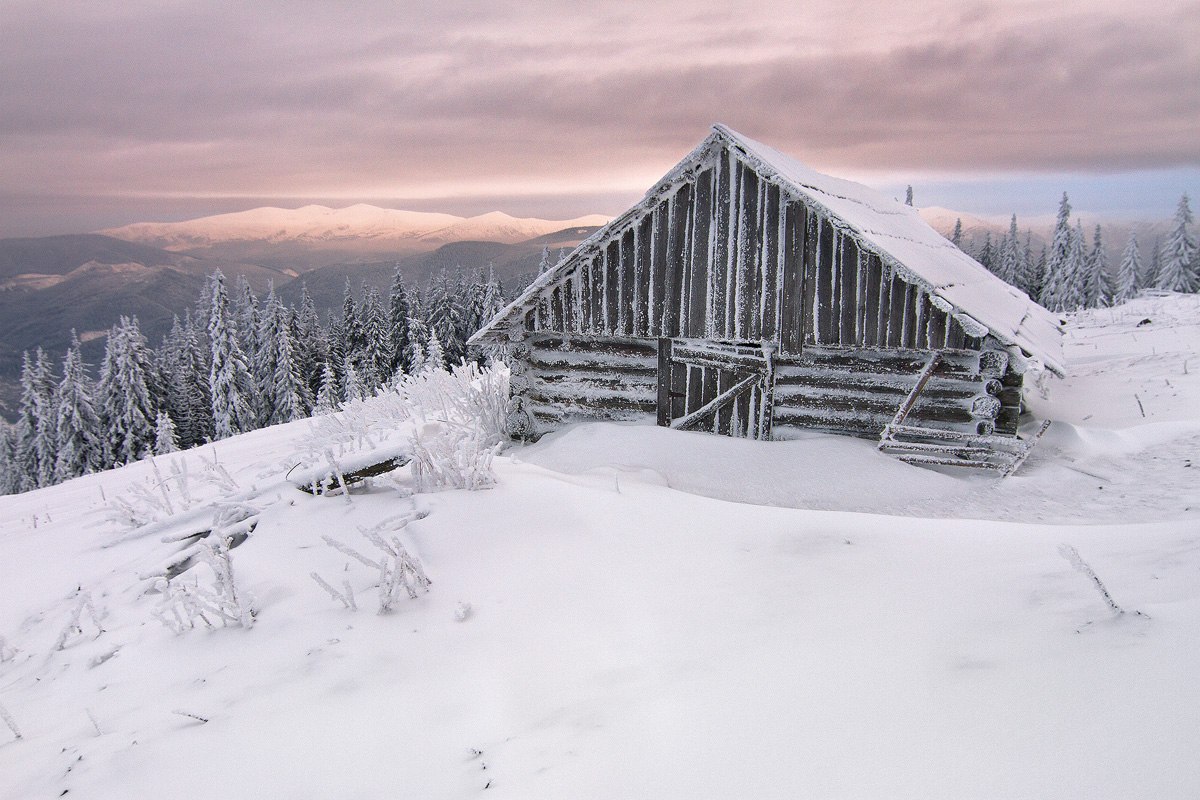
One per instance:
[(604, 622)]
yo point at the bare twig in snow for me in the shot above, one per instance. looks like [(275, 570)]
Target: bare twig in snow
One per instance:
[(95, 724), (10, 722), (197, 717), (346, 598), (1072, 555)]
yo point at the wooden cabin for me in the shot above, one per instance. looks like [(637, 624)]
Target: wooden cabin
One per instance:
[(750, 296)]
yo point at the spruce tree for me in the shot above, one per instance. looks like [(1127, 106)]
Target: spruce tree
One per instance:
[(435, 357), (1098, 284), (446, 315), (987, 253), (1074, 281), (345, 331), (1178, 256), (8, 454), (1129, 274), (1151, 276), (245, 317), (353, 387), (956, 237), (125, 394), (281, 382), (418, 337), (80, 449), (46, 427), (165, 438), (908, 196), (1056, 289), (375, 361), (25, 464), (185, 371), (229, 382), (310, 337), (399, 311), (328, 397), (1011, 270)]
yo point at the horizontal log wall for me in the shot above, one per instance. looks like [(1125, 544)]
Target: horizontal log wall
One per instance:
[(573, 378), (729, 255), (843, 390), (857, 391)]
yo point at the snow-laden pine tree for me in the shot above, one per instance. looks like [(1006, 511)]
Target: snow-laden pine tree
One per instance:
[(312, 343), (1058, 276), (165, 438), (1074, 281), (493, 297), (544, 263), (35, 399), (956, 237), (908, 196), (1178, 255), (1152, 270), (1098, 283), (8, 473), (329, 395), (435, 356), (445, 315), (281, 382), (345, 331), (375, 360), (474, 313), (418, 337), (399, 311), (80, 446), (1011, 270), (46, 429), (125, 395), (353, 387), (1129, 274), (987, 253), (229, 382), (245, 316), (185, 370)]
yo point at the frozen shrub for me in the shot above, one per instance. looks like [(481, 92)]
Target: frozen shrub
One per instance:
[(185, 604), (161, 496), (400, 573), (448, 422), (74, 626), (448, 455), (460, 418)]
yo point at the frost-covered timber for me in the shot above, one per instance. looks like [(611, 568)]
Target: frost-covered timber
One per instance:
[(743, 263)]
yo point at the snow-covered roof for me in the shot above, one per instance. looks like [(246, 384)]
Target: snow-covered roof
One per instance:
[(975, 296)]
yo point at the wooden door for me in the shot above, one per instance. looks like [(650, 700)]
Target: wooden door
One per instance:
[(722, 387)]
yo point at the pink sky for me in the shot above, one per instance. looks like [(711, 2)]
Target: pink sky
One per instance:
[(116, 112)]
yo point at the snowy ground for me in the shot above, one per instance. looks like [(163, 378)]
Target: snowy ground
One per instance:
[(635, 612)]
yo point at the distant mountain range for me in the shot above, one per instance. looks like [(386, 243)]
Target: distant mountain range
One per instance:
[(314, 234), (51, 285), (155, 270)]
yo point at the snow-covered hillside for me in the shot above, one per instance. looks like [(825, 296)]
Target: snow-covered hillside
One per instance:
[(638, 612), (319, 225)]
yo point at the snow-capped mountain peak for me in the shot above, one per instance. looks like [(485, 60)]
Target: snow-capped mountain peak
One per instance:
[(359, 223)]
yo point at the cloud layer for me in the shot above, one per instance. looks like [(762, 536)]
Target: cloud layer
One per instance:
[(507, 100)]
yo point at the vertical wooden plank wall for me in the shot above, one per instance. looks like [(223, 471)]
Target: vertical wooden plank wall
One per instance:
[(729, 256)]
